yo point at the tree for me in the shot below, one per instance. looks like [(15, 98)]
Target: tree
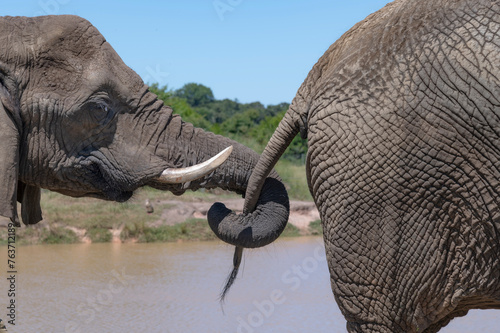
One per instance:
[(163, 93), (251, 123), (195, 94), (180, 106)]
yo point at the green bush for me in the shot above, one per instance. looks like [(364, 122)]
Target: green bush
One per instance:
[(133, 229), (99, 235), (315, 228), (192, 229), (290, 231), (249, 123), (57, 235)]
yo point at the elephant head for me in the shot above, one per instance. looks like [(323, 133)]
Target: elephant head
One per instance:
[(76, 120)]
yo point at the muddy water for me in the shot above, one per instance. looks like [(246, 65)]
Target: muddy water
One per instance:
[(174, 288)]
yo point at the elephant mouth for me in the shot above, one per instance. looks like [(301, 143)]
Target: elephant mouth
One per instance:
[(118, 196), (107, 188), (116, 186)]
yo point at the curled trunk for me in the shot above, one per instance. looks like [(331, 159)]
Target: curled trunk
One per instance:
[(266, 208), (255, 227), (265, 198)]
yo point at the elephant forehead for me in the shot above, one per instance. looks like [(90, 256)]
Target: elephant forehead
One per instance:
[(69, 53), (72, 34), (107, 69), (61, 47)]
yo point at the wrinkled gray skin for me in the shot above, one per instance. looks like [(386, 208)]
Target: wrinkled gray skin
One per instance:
[(402, 119), (76, 120)]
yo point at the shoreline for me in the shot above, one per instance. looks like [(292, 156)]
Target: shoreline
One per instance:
[(168, 220)]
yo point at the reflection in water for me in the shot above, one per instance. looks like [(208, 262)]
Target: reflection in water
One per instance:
[(174, 288)]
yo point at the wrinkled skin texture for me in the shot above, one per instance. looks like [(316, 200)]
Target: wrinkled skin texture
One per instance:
[(402, 118), (76, 120)]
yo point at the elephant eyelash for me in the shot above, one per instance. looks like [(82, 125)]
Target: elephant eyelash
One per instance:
[(101, 113), (104, 108)]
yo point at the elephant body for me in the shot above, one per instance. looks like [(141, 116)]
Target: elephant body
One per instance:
[(402, 120)]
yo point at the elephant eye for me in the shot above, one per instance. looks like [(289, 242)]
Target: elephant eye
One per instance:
[(101, 113)]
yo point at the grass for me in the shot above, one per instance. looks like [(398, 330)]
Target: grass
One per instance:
[(192, 229), (315, 228), (89, 213), (290, 231), (99, 235), (63, 214), (58, 235), (294, 177), (34, 235)]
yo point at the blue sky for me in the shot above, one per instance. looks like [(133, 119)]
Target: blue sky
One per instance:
[(250, 50)]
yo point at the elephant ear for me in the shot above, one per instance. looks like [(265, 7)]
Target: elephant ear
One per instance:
[(13, 190), (10, 137)]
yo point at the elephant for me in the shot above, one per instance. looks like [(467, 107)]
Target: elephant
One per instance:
[(76, 120), (402, 120)]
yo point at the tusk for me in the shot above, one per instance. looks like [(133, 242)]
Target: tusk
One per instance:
[(184, 175)]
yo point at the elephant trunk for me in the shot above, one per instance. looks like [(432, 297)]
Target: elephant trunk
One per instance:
[(259, 227), (260, 223), (266, 200), (280, 140), (266, 203), (255, 227), (266, 208)]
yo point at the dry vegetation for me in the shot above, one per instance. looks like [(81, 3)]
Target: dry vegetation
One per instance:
[(70, 220)]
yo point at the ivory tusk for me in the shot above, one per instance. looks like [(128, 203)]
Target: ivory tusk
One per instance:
[(183, 175)]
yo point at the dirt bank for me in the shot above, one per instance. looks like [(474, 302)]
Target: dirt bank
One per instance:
[(301, 212), (173, 212)]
